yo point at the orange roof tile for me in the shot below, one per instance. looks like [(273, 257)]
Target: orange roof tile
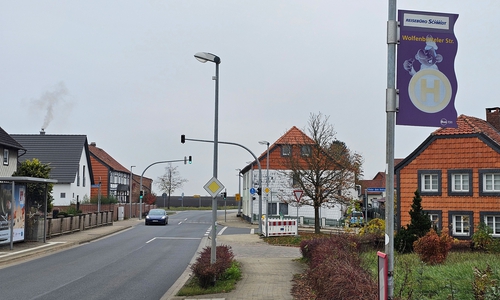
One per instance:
[(470, 125), (107, 159)]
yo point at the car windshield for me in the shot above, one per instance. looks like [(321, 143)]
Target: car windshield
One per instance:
[(156, 212)]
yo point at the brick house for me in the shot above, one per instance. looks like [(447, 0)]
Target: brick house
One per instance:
[(457, 172), (280, 199), (114, 178)]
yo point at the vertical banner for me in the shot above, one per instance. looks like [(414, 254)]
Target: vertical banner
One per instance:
[(425, 69)]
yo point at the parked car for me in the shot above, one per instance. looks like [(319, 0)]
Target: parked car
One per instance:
[(356, 219), (157, 216)]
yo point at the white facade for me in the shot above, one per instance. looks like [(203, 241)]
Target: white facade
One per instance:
[(68, 193), (281, 198), (8, 162)]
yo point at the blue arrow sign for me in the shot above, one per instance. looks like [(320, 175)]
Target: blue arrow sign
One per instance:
[(252, 191), (379, 189)]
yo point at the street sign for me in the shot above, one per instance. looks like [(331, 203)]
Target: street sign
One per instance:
[(213, 187), (378, 189), (252, 191), (267, 190), (237, 197), (298, 194)]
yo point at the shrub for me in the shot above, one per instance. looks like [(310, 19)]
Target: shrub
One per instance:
[(333, 266), (373, 232), (484, 286), (482, 238), (432, 248), (208, 273)]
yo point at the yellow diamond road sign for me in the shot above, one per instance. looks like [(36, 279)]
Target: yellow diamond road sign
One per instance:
[(213, 187)]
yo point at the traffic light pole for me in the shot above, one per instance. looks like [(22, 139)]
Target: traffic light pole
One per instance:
[(155, 163), (183, 139)]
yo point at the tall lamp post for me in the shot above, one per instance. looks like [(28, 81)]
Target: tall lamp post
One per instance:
[(131, 190), (267, 173), (204, 57), (267, 183), (239, 192)]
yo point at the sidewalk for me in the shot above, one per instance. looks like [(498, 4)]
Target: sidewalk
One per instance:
[(267, 270)]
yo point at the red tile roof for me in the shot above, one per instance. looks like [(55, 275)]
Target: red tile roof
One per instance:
[(470, 125), (107, 159), (294, 136)]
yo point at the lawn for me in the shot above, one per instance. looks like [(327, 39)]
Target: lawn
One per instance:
[(452, 280)]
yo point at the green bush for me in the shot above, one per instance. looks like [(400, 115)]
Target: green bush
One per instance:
[(482, 239)]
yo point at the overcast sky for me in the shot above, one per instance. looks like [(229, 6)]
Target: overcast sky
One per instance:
[(123, 73)]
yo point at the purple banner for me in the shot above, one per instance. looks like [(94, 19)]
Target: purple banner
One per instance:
[(425, 69)]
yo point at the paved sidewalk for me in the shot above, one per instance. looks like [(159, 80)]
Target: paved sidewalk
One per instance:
[(267, 270)]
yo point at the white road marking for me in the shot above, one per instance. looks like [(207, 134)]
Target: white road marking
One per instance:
[(171, 238)]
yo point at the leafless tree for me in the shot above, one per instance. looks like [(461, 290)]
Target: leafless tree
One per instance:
[(170, 181), (324, 168)]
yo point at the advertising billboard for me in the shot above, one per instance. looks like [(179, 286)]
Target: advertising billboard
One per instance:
[(16, 213), (426, 77)]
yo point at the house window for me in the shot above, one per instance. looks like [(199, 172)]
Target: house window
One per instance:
[(492, 220), (83, 183), (295, 180), (286, 150), (78, 176), (5, 157), (489, 182), (305, 150), (283, 209), (63, 195), (461, 223), (460, 182), (436, 217), (430, 182)]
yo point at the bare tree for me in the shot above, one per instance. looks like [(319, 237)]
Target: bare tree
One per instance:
[(324, 168), (170, 181)]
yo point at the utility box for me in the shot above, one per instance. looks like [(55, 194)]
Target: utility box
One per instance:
[(121, 213)]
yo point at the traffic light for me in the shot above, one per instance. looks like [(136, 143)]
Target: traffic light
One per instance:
[(183, 138), (141, 193), (190, 159), (224, 194), (259, 191)]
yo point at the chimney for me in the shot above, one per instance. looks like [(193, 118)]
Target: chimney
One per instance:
[(493, 117), (93, 144), (42, 132)]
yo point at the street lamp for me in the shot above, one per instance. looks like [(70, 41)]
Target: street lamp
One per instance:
[(130, 195), (204, 57), (239, 192), (267, 180)]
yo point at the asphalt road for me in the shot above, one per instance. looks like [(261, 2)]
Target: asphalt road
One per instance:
[(140, 263)]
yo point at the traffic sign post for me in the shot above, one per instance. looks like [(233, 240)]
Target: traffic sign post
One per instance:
[(298, 196)]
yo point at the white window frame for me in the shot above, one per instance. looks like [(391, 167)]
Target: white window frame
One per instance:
[(465, 227), (494, 181), (430, 183), (6, 155), (495, 224), (462, 180), (435, 220)]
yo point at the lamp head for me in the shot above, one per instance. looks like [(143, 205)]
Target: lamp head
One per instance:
[(264, 143), (205, 56)]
